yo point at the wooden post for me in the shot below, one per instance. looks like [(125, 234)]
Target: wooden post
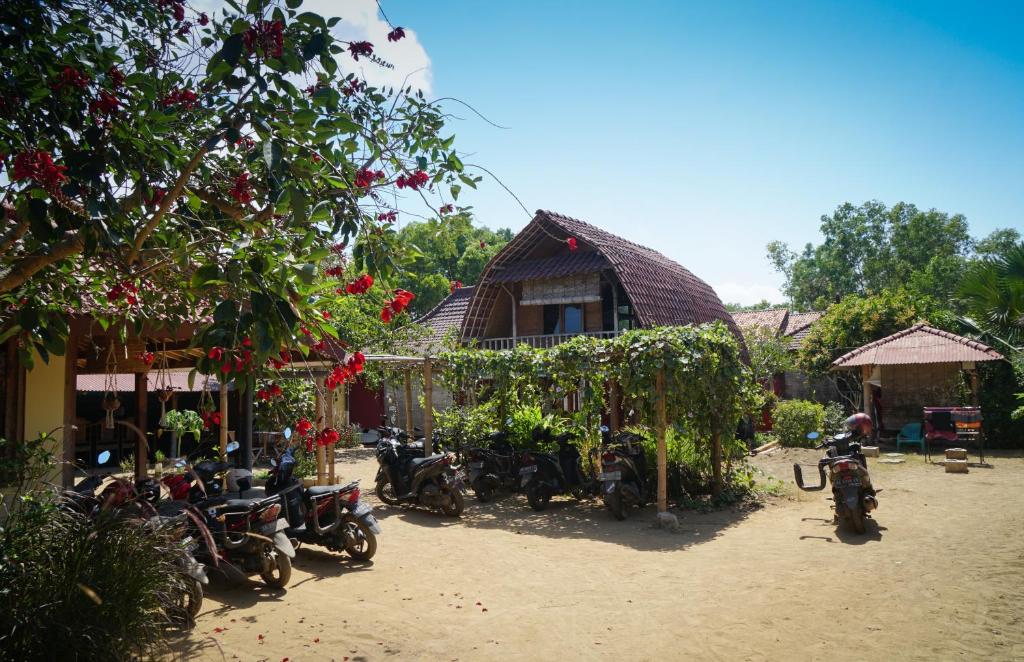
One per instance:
[(661, 424), (408, 403), (428, 409), (330, 423), (865, 374), (321, 469), (70, 394), (613, 406), (141, 403), (223, 419), (975, 388)]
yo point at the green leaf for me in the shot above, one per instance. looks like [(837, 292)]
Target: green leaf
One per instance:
[(314, 46), (307, 273), (293, 4), (272, 154), (205, 274), (226, 311), (300, 205), (232, 49)]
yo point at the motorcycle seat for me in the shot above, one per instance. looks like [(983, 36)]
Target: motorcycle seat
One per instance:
[(320, 490), (419, 461)]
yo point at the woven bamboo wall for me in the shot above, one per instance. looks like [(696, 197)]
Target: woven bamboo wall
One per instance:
[(907, 389)]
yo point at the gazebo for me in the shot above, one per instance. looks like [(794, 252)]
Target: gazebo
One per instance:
[(915, 368)]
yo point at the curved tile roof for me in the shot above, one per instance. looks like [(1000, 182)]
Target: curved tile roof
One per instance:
[(662, 292)]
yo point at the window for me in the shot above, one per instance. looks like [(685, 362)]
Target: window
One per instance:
[(552, 321), (573, 316), (563, 319)]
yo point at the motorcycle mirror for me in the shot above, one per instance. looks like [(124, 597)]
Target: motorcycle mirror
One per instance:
[(813, 435), (604, 428), (179, 463), (232, 447), (287, 433), (273, 462), (103, 457)]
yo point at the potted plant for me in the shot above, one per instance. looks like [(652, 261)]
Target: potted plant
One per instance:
[(182, 421)]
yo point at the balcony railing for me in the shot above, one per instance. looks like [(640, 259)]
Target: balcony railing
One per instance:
[(540, 341)]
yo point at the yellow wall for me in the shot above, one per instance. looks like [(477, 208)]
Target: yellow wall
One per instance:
[(44, 402)]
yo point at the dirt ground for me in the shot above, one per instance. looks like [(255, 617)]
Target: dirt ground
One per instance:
[(938, 575)]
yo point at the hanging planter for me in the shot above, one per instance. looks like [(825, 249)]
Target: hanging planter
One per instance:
[(111, 402)]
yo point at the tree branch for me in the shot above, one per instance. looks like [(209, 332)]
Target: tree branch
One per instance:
[(11, 237), (165, 204), (28, 266)]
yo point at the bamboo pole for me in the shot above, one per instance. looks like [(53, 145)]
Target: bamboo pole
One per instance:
[(321, 473), (428, 409), (223, 392), (141, 403), (661, 425), (330, 423), (408, 403)]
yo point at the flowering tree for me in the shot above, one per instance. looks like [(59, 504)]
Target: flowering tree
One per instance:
[(162, 163)]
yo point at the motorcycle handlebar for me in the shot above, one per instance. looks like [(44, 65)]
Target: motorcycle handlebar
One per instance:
[(798, 475)]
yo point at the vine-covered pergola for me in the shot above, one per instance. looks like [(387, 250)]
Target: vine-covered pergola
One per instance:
[(693, 376)]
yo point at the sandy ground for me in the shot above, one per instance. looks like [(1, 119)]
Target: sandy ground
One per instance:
[(939, 575)]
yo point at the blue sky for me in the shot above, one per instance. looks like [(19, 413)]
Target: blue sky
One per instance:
[(706, 130)]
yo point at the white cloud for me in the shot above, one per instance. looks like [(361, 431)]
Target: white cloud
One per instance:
[(746, 294), (361, 21)]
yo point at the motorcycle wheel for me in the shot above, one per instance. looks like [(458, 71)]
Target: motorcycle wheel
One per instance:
[(856, 520), (189, 603), (386, 492), (357, 539), (280, 574), (484, 491), (455, 504), (537, 496), (614, 502)]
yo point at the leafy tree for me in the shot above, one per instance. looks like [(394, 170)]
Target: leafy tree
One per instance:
[(998, 242), (444, 251), (993, 294), (858, 320), (763, 304), (871, 247), (162, 163), (769, 354)]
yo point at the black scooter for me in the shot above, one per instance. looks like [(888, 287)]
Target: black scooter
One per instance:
[(853, 496), (494, 467), (544, 475), (328, 515), (624, 472), (406, 477)]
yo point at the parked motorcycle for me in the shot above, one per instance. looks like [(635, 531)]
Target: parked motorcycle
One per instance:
[(853, 495), (327, 515), (543, 475), (623, 474), (405, 476), (250, 534), (494, 467)]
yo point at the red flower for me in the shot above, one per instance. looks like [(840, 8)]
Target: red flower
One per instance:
[(303, 426), (483, 244), (263, 394), (116, 77), (327, 437), (247, 342), (242, 190), (386, 314), (275, 390), (334, 271), (266, 35), (360, 285), (354, 87), (357, 48), (179, 97), (388, 216), (203, 19), (454, 285), (106, 104), (396, 34), (146, 357), (71, 77), (179, 11), (447, 209), (316, 158), (38, 165), (366, 177), (339, 248), (156, 196), (572, 243), (414, 181), (326, 314), (215, 354)]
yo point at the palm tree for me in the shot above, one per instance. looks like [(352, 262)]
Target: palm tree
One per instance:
[(992, 292)]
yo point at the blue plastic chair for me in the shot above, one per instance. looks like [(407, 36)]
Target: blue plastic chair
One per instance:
[(911, 435)]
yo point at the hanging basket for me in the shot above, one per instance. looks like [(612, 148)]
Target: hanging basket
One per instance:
[(111, 403), (164, 395)]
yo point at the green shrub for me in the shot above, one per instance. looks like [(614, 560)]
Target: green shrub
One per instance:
[(74, 588), (464, 425), (523, 420), (835, 418), (795, 418)]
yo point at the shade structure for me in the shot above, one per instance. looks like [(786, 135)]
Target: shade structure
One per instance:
[(918, 344)]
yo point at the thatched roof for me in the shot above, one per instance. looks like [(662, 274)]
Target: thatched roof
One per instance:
[(662, 292), (918, 344)]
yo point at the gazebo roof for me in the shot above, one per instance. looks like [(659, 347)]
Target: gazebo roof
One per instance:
[(918, 344)]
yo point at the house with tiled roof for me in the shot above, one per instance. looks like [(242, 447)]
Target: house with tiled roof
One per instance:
[(539, 291), (794, 327)]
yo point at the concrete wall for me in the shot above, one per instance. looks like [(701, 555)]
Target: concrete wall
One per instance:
[(44, 403)]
